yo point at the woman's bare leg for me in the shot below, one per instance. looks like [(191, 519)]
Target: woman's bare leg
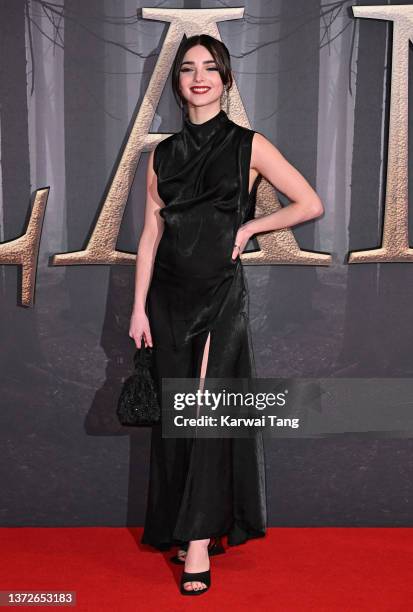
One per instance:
[(204, 363), (197, 558)]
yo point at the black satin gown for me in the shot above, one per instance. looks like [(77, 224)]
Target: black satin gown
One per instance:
[(201, 488)]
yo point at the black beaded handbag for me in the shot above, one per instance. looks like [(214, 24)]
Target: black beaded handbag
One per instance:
[(138, 403)]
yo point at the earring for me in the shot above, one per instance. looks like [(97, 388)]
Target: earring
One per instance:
[(225, 99), (182, 109)]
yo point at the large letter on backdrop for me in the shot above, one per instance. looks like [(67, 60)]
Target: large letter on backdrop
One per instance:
[(24, 251), (276, 247), (395, 241)]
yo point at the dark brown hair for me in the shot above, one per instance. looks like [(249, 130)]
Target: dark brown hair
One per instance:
[(218, 51)]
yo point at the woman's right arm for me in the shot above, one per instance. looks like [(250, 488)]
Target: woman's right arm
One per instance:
[(148, 244)]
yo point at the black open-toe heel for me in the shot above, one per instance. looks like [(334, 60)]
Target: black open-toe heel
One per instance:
[(176, 559), (215, 547), (204, 577)]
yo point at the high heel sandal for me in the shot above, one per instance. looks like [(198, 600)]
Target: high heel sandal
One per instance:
[(204, 577), (215, 547), (176, 559)]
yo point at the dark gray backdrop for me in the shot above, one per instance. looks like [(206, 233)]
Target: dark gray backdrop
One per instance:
[(315, 81)]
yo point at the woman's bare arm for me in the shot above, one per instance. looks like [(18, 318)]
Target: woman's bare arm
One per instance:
[(148, 244), (272, 165)]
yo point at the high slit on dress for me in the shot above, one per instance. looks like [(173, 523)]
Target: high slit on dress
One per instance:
[(203, 487)]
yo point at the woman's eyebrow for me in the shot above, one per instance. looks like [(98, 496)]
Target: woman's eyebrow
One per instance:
[(204, 62)]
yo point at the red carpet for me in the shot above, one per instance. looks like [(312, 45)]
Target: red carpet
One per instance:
[(291, 569)]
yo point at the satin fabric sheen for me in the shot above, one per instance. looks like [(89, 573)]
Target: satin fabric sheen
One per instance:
[(198, 487)]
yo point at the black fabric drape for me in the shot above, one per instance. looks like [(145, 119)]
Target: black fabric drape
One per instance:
[(203, 487)]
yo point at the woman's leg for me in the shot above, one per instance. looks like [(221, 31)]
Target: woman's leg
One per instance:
[(197, 558)]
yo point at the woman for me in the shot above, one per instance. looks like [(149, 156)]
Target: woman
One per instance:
[(191, 305)]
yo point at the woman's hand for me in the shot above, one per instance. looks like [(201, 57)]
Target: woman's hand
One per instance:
[(243, 235), (139, 326)]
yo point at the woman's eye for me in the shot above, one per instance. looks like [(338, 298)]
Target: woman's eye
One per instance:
[(189, 69)]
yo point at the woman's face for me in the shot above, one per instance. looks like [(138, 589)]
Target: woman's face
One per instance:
[(199, 79)]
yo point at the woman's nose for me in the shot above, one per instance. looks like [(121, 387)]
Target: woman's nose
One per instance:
[(198, 76)]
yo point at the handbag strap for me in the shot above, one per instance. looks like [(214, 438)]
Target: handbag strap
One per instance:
[(143, 357)]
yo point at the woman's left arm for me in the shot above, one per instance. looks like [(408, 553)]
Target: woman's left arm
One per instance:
[(305, 203)]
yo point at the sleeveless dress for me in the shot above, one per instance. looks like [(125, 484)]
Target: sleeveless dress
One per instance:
[(203, 487)]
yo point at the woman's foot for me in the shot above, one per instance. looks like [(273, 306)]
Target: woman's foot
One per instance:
[(181, 554), (215, 547), (197, 560), (179, 558)]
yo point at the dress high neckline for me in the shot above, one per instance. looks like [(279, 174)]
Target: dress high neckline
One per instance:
[(201, 132)]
